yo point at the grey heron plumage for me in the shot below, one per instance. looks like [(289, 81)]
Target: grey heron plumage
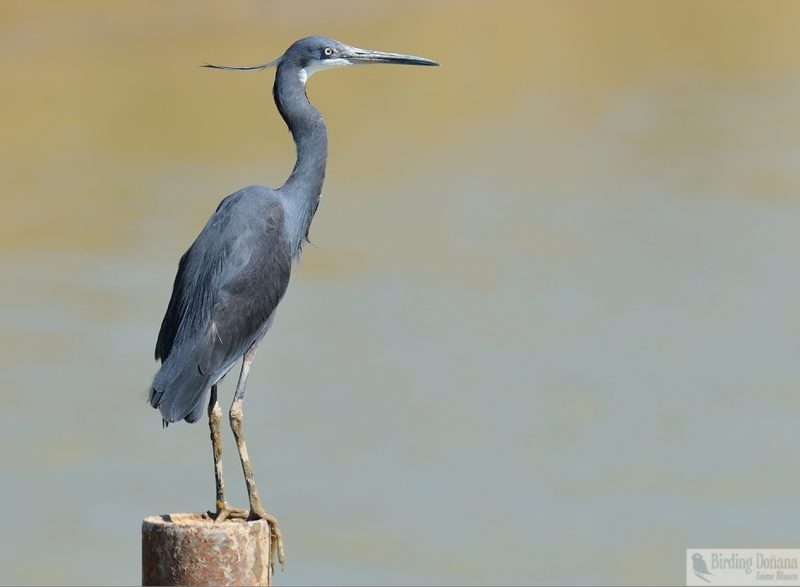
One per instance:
[(233, 276)]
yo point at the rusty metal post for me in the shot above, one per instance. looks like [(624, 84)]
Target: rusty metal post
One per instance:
[(190, 549)]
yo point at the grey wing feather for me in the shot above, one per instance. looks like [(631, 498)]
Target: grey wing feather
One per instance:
[(171, 321), (227, 287)]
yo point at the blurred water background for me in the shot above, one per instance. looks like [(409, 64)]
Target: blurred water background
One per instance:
[(547, 331)]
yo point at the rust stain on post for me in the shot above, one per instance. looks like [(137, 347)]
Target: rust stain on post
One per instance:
[(190, 549)]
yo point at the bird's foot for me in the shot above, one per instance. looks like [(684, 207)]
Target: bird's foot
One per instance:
[(257, 512), (224, 512)]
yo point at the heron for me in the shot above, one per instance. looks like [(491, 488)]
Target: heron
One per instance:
[(233, 276)]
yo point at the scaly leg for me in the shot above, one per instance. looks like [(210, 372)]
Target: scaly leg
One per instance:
[(256, 509), (224, 511)]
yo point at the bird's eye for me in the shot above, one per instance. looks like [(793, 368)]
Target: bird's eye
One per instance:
[(327, 51)]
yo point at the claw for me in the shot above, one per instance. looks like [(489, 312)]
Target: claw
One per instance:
[(276, 539), (227, 512)]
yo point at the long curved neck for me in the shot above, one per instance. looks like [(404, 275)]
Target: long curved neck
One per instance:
[(304, 186)]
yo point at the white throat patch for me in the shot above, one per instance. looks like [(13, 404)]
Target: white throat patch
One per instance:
[(316, 66)]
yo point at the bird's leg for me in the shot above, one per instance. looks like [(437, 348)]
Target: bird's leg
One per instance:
[(256, 509), (214, 419)]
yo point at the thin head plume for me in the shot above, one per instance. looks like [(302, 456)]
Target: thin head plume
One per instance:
[(250, 68)]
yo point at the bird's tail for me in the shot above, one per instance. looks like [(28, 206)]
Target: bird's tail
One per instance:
[(180, 388)]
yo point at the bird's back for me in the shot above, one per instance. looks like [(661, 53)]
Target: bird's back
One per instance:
[(225, 293)]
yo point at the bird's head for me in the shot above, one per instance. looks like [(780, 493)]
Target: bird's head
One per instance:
[(312, 54)]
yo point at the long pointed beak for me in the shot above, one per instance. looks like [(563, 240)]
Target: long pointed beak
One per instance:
[(365, 56)]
